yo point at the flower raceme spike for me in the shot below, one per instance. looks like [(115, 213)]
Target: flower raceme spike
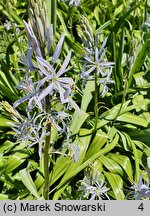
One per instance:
[(56, 83), (94, 59), (39, 20)]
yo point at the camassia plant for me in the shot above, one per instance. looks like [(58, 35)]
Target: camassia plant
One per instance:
[(80, 104), (49, 96)]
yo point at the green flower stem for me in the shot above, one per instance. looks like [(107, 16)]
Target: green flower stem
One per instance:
[(46, 151), (96, 103), (53, 20), (46, 164)]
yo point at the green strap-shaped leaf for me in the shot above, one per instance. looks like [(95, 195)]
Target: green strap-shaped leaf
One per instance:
[(124, 162), (111, 114), (142, 135), (60, 168), (87, 95), (116, 184), (40, 175), (101, 28), (74, 45), (133, 119), (13, 162), (4, 122), (125, 15), (12, 14), (111, 165), (136, 158), (7, 92), (98, 142), (6, 146), (78, 120), (28, 182)]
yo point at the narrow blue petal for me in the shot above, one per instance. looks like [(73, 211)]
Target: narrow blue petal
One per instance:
[(30, 103), (96, 39), (61, 91), (58, 49), (88, 50), (41, 82), (106, 64), (103, 45), (66, 80), (25, 60), (44, 64), (88, 59), (72, 103), (64, 65), (96, 55), (87, 73), (21, 100), (45, 92), (28, 60)]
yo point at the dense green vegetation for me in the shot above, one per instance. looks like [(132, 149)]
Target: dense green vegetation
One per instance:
[(75, 99)]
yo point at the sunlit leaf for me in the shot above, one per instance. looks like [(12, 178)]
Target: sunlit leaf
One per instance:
[(99, 140), (124, 162), (28, 182), (13, 162), (133, 119), (77, 122), (87, 95), (111, 165), (116, 184)]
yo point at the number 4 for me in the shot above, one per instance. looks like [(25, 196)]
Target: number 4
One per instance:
[(141, 207)]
